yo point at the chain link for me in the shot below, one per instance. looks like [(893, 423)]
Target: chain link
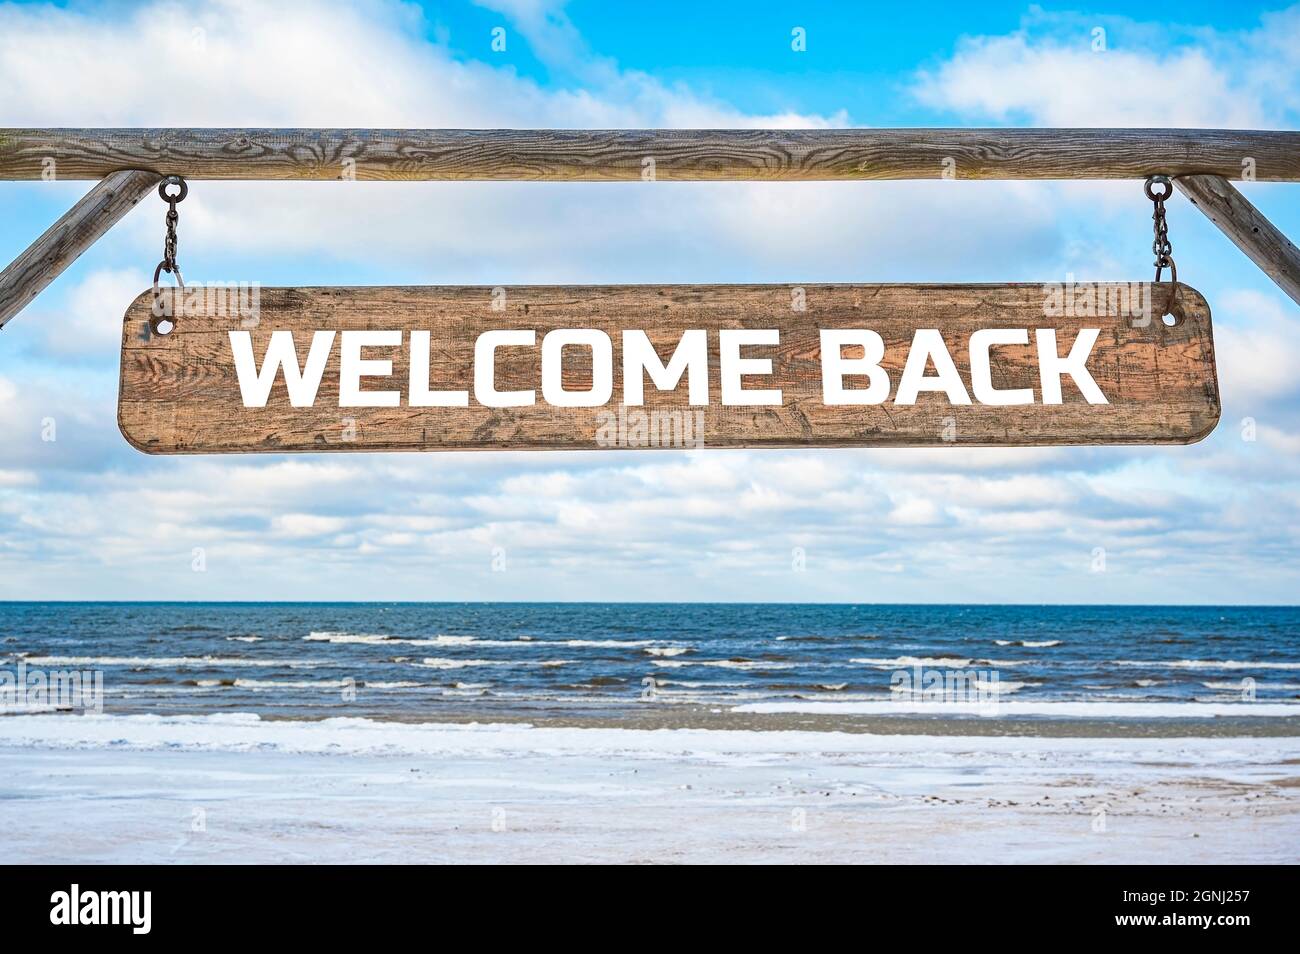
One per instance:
[(168, 263), (163, 318), (1161, 247)]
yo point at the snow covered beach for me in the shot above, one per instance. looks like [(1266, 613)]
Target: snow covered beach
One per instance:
[(261, 733), (238, 788)]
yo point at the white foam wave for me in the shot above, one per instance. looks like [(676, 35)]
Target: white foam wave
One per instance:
[(1205, 664), (1072, 710), (905, 662), (380, 639), (341, 737), (745, 664), (166, 662), (1000, 685), (434, 662)]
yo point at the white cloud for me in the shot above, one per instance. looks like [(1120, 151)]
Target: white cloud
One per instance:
[(1053, 72), (89, 324), (1010, 79), (1257, 347)]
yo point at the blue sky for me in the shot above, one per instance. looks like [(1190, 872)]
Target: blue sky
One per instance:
[(86, 516)]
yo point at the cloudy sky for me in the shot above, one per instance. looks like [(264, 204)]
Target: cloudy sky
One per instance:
[(84, 516)]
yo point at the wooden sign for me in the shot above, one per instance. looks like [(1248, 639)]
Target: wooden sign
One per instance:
[(556, 367)]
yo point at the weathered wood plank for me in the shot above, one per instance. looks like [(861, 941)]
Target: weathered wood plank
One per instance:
[(64, 241), (1250, 231), (686, 154), (181, 393)]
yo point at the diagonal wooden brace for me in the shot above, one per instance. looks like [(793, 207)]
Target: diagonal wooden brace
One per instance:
[(65, 240), (1255, 235)]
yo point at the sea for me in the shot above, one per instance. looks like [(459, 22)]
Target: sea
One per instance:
[(430, 661)]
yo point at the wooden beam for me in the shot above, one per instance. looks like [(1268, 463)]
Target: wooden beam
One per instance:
[(632, 154), (1255, 235), (65, 240)]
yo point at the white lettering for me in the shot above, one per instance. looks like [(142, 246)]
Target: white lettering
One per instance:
[(420, 395), (835, 366), (352, 368), (734, 367), (927, 345), (602, 367), (485, 358), (255, 384), (981, 371), (690, 358), (1051, 366)]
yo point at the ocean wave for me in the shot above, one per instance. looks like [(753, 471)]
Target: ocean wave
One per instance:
[(381, 639), (745, 664), (244, 639), (1028, 643), (1266, 686), (981, 685), (341, 737), (1205, 664), (1002, 685), (666, 650), (434, 662), (293, 683), (816, 638), (906, 662), (1085, 710), (169, 662)]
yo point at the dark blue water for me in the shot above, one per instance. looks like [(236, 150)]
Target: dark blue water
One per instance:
[(426, 660)]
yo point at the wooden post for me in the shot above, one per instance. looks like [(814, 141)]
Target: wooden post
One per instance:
[(595, 155), (1255, 235), (65, 240)]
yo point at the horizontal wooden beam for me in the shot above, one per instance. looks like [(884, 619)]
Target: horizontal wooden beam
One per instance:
[(64, 241), (1275, 254), (663, 154)]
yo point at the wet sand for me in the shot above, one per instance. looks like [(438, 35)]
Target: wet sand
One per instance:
[(704, 718)]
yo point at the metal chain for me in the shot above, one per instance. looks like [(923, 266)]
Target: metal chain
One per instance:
[(164, 319), (168, 263), (1161, 247)]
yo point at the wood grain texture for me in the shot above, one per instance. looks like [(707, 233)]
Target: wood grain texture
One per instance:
[(180, 394), (1250, 231), (619, 154), (64, 241)]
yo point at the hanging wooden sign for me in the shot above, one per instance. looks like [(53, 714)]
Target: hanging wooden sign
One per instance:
[(576, 368)]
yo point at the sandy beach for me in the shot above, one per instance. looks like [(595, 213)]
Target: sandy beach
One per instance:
[(237, 788)]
